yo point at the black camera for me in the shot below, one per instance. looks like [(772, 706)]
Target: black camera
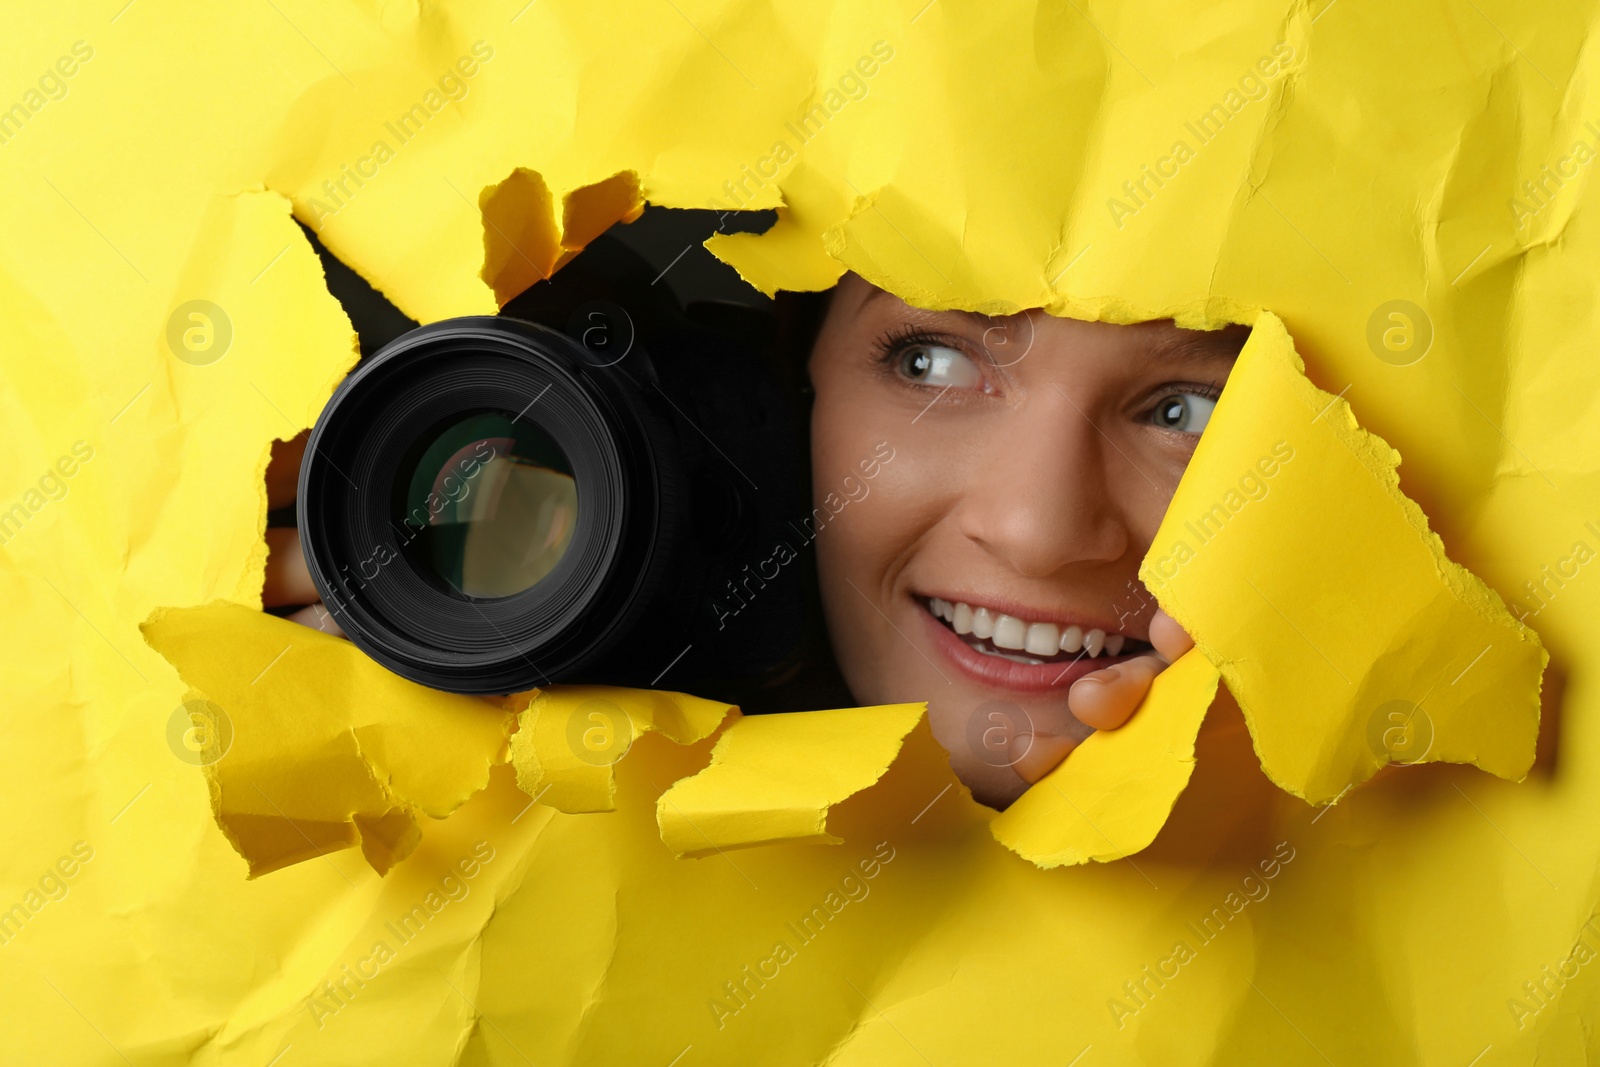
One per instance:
[(579, 490)]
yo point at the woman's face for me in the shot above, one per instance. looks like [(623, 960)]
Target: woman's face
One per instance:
[(985, 489)]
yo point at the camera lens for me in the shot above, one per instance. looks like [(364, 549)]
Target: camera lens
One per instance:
[(440, 515), (510, 504)]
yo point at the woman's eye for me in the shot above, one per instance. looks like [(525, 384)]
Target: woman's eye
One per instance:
[(1184, 412), (939, 366)]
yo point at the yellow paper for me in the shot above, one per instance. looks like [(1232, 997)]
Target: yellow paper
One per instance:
[(1359, 643), (309, 746), (774, 777), (569, 738), (1112, 794), (1342, 159)]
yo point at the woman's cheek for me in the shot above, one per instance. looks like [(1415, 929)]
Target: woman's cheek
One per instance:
[(1146, 511), (848, 582), (834, 433)]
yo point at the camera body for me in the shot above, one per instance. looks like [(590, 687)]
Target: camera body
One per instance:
[(663, 439)]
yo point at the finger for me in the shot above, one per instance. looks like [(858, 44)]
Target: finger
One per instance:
[(287, 580), (1106, 698), (1036, 755), (1168, 637), (316, 616)]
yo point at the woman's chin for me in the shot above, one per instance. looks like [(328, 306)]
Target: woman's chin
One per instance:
[(997, 746), (999, 797)]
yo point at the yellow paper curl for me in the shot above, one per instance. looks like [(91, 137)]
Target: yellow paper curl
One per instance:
[(1361, 156)]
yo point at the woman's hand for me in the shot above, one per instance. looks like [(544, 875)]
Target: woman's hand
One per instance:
[(288, 582), (1103, 700)]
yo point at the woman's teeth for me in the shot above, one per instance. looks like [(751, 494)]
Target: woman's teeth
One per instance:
[(982, 623), (1035, 638)]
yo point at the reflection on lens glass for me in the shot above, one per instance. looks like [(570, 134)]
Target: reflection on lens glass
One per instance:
[(492, 503)]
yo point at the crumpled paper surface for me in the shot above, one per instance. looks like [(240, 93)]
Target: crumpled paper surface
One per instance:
[(569, 739), (1332, 164), (321, 749), (1111, 797), (1364, 616), (775, 778)]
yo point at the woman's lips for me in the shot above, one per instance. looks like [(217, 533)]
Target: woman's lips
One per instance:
[(1005, 673)]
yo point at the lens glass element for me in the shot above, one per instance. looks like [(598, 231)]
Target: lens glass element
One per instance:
[(490, 503)]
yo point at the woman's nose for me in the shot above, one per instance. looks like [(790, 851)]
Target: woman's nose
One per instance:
[(1053, 488)]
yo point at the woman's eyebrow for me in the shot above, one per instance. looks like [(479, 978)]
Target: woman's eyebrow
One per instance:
[(1170, 345), (1221, 345), (973, 316)]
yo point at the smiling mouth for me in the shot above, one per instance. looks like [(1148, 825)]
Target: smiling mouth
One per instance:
[(1033, 643)]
